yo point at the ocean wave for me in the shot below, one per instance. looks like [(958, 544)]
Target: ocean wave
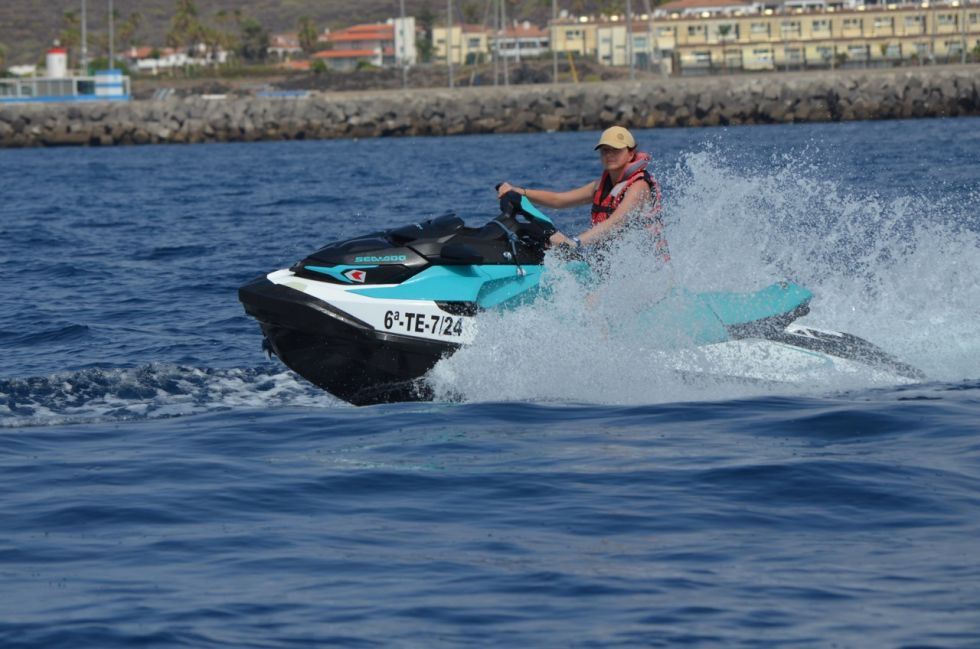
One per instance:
[(151, 391)]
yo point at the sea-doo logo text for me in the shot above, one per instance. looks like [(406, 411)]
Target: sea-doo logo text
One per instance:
[(380, 260)]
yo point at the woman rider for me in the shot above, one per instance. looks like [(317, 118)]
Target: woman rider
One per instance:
[(625, 191)]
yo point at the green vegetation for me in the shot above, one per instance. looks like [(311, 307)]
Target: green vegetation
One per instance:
[(255, 41), (425, 19), (70, 35), (102, 63), (307, 33)]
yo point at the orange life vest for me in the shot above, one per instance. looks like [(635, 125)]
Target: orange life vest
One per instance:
[(604, 203)]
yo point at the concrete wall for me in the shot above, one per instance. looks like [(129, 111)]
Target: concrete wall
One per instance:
[(812, 97)]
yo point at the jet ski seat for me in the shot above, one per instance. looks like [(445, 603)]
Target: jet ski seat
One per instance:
[(437, 227)]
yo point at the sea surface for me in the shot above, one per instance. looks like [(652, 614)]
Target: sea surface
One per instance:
[(164, 484)]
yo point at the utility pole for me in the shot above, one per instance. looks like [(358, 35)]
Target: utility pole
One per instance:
[(494, 45), (629, 38), (552, 39), (503, 35), (962, 18), (404, 52), (449, 39), (83, 57), (112, 38)]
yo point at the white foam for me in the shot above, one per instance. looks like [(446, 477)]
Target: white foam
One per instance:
[(898, 272), (151, 391)]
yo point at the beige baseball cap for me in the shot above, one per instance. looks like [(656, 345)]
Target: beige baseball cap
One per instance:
[(617, 137)]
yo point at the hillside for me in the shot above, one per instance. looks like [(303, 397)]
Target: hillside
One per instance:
[(28, 27)]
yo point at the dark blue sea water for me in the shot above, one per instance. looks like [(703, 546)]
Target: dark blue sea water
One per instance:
[(163, 484)]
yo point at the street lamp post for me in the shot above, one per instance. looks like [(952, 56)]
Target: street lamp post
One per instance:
[(404, 51), (503, 37), (112, 37), (629, 38), (552, 39), (449, 39), (83, 57)]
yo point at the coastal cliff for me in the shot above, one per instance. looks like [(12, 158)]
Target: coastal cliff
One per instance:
[(709, 101)]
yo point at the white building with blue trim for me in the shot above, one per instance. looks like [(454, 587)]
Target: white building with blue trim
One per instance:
[(58, 86)]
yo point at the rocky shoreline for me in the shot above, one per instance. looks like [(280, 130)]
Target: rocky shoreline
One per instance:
[(710, 101)]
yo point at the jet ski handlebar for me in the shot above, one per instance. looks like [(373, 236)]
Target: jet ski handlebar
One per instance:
[(513, 203)]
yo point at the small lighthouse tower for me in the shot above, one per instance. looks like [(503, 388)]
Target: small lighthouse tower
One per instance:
[(57, 62)]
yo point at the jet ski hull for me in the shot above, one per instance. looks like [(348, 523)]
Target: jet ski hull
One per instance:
[(337, 352)]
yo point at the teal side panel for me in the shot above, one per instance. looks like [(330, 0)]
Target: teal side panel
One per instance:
[(486, 285), (739, 308), (682, 319), (582, 272), (505, 289)]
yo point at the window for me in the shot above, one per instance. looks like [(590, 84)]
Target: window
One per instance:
[(853, 24), (760, 29), (703, 58), (639, 42), (954, 47), (884, 25), (974, 19), (762, 55), (664, 31), (793, 54), (606, 40), (893, 51), (915, 22), (821, 26), (947, 20), (857, 52), (695, 30), (573, 33), (472, 43), (790, 27), (825, 53)]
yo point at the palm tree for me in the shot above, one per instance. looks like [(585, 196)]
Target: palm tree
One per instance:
[(228, 38), (307, 34), (126, 32), (255, 40), (70, 35), (185, 28)]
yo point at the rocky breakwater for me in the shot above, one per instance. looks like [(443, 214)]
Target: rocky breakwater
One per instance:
[(709, 101)]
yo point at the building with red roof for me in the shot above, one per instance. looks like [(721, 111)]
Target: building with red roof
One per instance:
[(379, 44)]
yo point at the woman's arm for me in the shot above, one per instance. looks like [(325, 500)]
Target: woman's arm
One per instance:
[(558, 200)]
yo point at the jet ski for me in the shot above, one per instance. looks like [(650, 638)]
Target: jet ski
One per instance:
[(366, 318)]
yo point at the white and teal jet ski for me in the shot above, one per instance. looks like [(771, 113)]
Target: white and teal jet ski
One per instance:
[(365, 319)]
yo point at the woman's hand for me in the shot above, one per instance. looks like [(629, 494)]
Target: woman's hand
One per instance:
[(559, 239), (503, 188)]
